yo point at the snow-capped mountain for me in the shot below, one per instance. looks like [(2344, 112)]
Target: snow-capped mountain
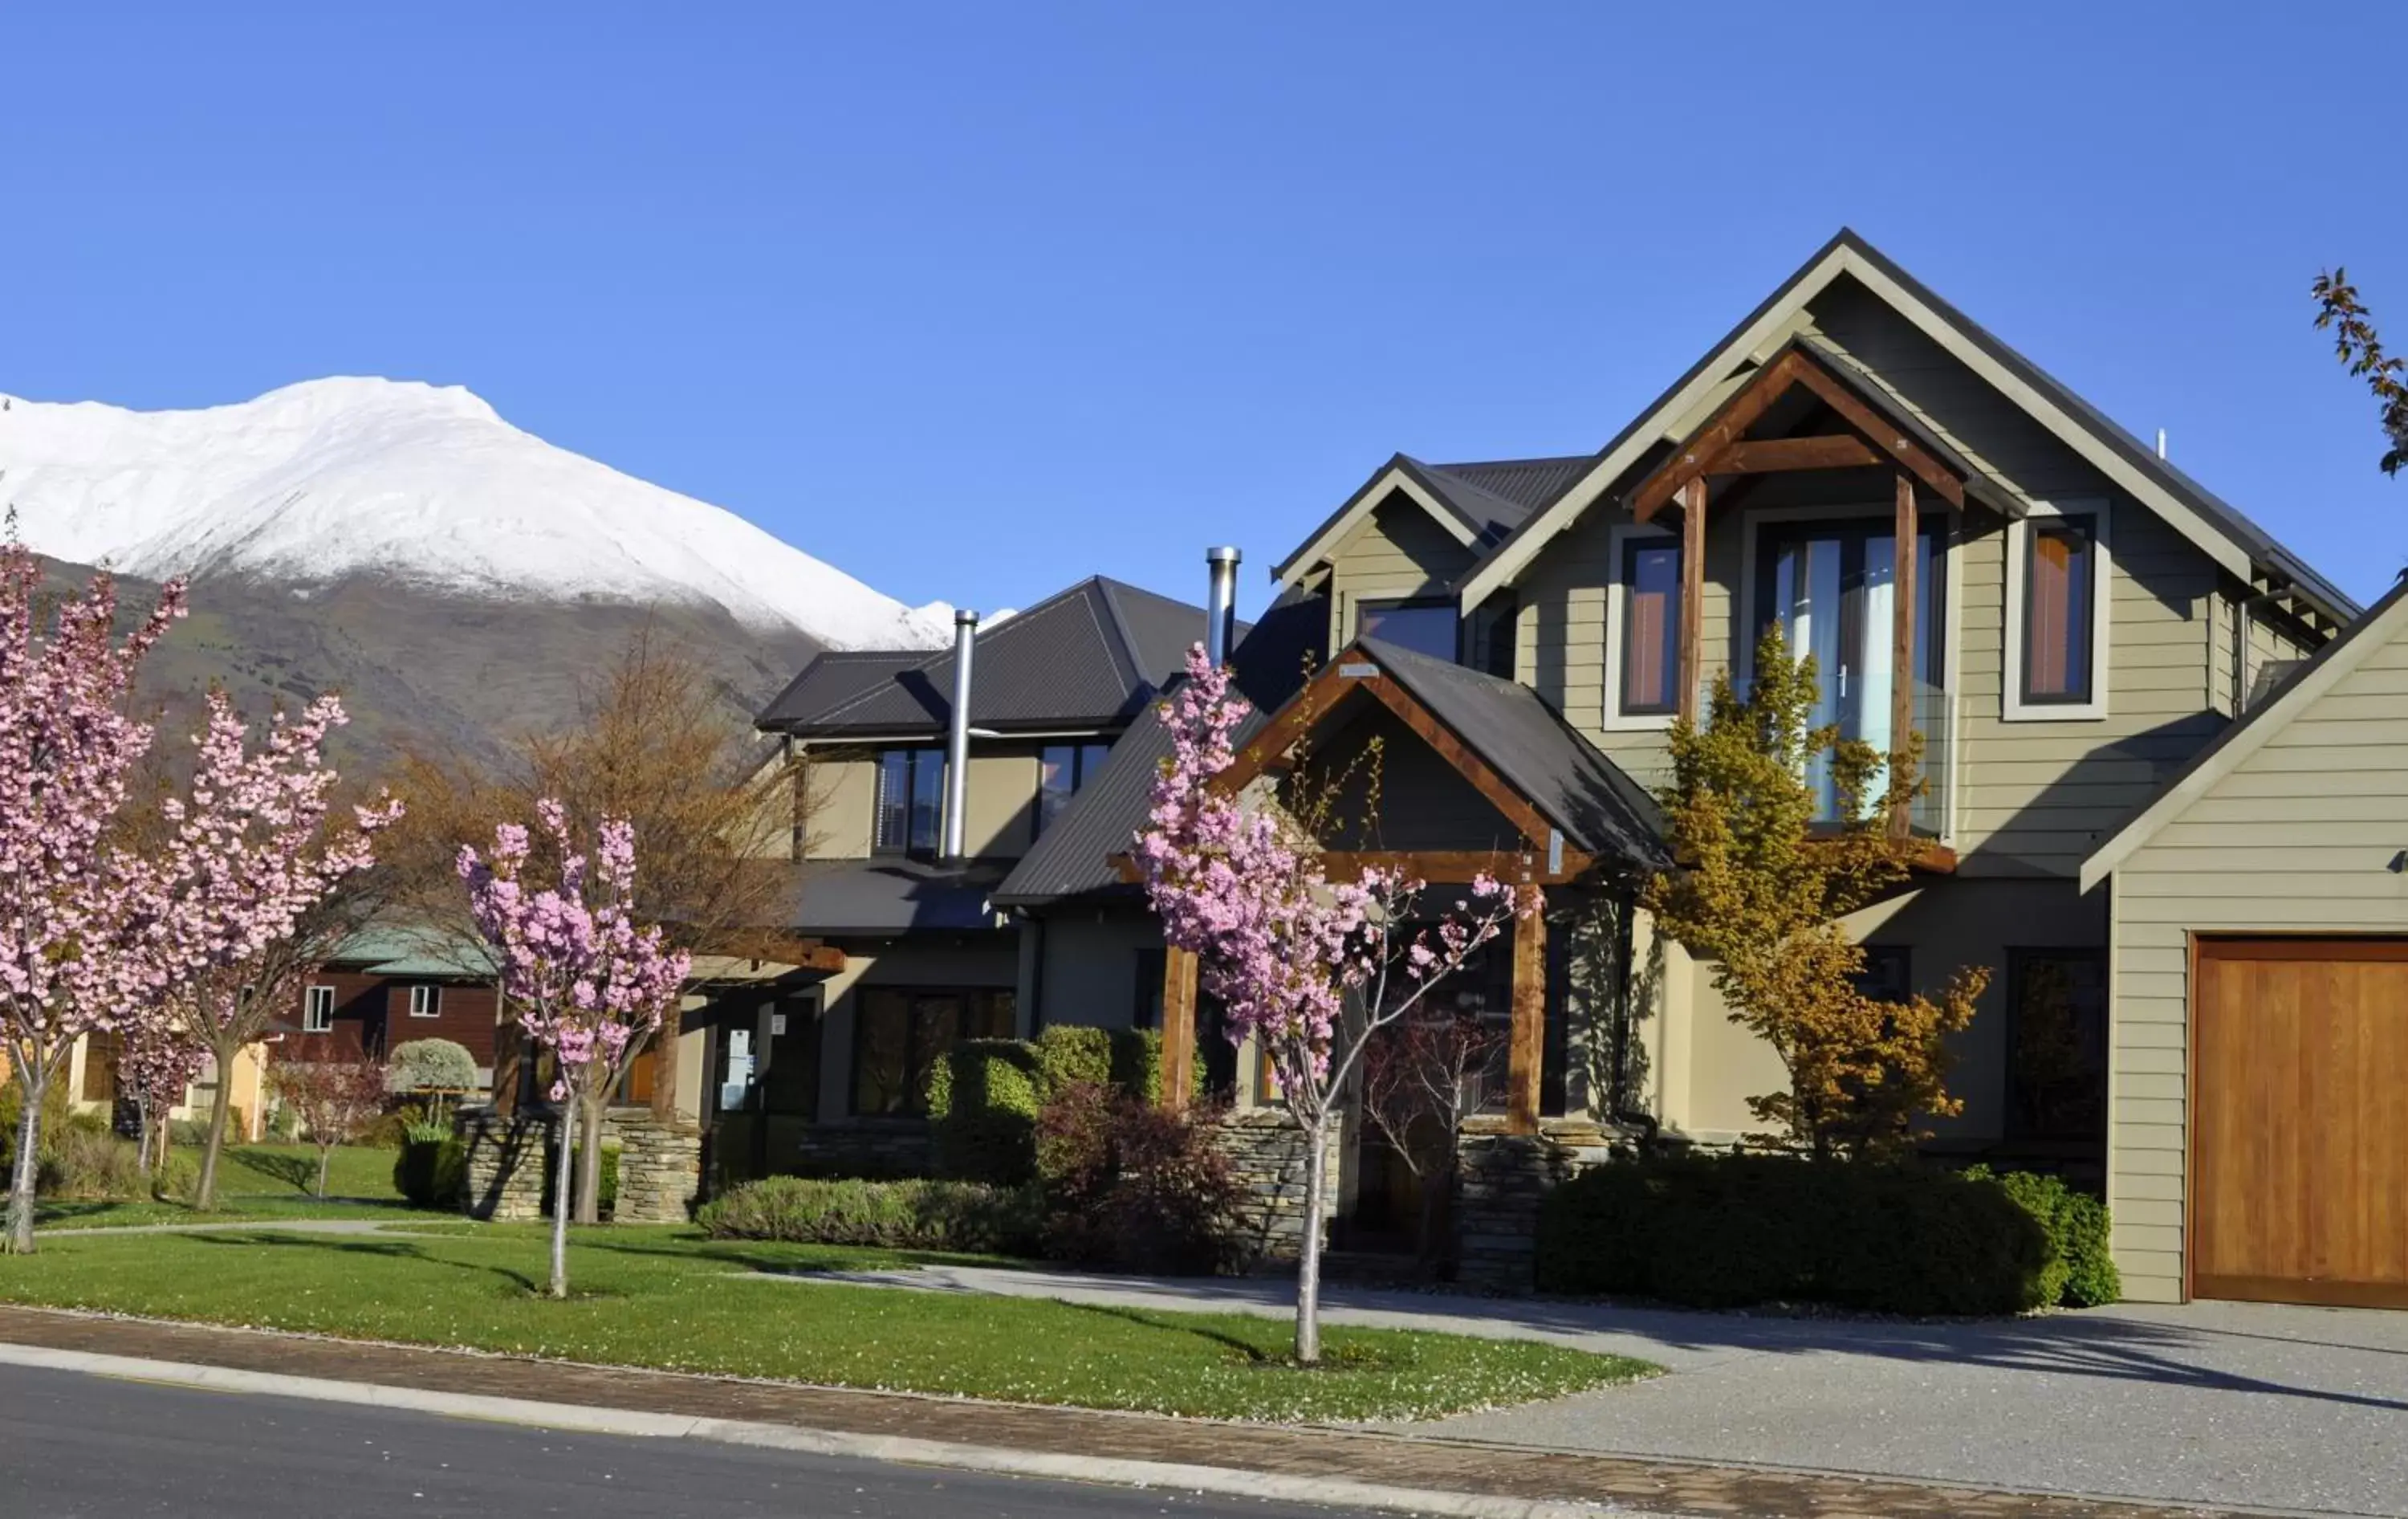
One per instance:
[(332, 479)]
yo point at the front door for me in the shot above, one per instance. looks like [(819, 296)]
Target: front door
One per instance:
[(1832, 588)]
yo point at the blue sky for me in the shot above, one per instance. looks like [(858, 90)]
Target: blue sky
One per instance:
[(972, 300)]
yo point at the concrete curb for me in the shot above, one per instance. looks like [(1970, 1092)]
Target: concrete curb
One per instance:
[(1230, 1481)]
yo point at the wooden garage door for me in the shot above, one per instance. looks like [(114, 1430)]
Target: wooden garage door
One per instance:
[(2300, 1137)]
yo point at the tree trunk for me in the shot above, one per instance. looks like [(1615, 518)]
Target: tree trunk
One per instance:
[(325, 1152), (588, 1160), (142, 1124), (205, 1196), (35, 1080), (562, 1169), (1307, 1265)]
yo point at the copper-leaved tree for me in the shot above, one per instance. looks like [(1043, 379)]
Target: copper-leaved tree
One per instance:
[(1759, 887), (2340, 312)]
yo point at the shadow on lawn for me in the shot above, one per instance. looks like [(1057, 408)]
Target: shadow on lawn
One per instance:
[(299, 1172), (355, 1247)]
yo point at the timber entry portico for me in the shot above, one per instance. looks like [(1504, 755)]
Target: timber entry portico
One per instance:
[(1807, 409), (1477, 774)]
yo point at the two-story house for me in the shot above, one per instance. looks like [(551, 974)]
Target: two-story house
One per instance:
[(1971, 553)]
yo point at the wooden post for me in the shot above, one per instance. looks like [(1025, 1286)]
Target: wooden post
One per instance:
[(1693, 592), (664, 1065), (509, 1049), (1526, 1053), (1901, 620), (1177, 1027)]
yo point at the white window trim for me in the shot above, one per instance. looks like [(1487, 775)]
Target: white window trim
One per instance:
[(313, 1021), (2011, 706), (433, 997), (1612, 719)]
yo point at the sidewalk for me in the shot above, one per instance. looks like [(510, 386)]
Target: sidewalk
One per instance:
[(991, 1435)]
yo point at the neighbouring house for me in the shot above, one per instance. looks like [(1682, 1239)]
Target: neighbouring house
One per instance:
[(92, 1077), (385, 986)]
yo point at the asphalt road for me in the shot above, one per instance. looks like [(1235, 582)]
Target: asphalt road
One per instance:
[(74, 1446)]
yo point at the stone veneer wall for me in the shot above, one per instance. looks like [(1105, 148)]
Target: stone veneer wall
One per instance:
[(1500, 1178), (876, 1150), (505, 1160), (1267, 1151), (660, 1168)]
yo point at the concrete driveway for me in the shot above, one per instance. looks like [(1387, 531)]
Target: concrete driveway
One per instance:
[(2292, 1409)]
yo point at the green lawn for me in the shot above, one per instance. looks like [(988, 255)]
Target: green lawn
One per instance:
[(259, 1181), (669, 1298)]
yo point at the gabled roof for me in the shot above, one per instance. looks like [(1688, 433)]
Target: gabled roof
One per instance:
[(1073, 858), (2299, 690), (891, 894), (1088, 658), (1479, 504), (2235, 542)]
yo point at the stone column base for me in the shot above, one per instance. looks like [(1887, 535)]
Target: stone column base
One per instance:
[(505, 1162), (1267, 1151), (660, 1171), (1499, 1180)]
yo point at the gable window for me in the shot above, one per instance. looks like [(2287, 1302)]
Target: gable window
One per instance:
[(1425, 627), (426, 1002), (1651, 629), (1061, 770), (318, 1009), (2056, 1044), (910, 801), (2057, 616)]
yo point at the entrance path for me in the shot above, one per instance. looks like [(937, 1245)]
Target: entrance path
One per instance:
[(2231, 1405)]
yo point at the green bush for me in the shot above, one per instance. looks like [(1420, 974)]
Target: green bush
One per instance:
[(965, 1216), (1070, 1053), (430, 1066), (56, 1109), (609, 1178), (1724, 1231), (982, 1103), (2083, 1273), (90, 1162), (432, 1170), (1130, 1185)]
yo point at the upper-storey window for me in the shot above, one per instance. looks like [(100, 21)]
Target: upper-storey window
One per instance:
[(1061, 770), (1650, 628), (2057, 609), (1425, 627), (910, 801)]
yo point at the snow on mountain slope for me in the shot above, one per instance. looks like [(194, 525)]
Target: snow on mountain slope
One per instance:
[(328, 478)]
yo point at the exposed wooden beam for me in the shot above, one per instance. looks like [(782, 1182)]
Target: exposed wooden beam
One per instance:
[(1693, 592), (1771, 455), (1884, 434), (1525, 1052), (1499, 793), (1728, 424), (1902, 609), (1177, 1027)]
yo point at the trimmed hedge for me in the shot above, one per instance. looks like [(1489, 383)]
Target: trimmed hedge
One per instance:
[(432, 1170), (984, 1096), (963, 1216), (2083, 1270), (1726, 1231)]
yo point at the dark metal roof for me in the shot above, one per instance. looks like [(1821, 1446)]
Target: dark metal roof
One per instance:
[(1073, 858), (1527, 483), (1090, 656), (1600, 810), (891, 896)]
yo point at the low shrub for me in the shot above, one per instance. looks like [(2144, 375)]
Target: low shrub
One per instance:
[(431, 1065), (964, 1216), (983, 1102), (2083, 1273), (90, 1162), (1129, 1185), (1072, 1055), (432, 1170), (609, 1179), (1726, 1231), (56, 1109)]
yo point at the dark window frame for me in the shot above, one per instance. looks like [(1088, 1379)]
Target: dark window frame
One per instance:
[(913, 759), (1631, 549), (2083, 528), (981, 1011), (1087, 756), (2019, 961), (1394, 603)]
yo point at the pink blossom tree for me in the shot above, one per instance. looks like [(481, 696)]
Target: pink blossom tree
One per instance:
[(589, 984), (82, 930), (249, 857), (158, 1060), (1311, 967)]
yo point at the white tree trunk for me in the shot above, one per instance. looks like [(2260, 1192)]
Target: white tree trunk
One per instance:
[(34, 1076), (1307, 1265), (563, 1170)]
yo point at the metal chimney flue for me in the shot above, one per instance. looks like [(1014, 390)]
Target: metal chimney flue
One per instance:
[(957, 738), (1221, 604)]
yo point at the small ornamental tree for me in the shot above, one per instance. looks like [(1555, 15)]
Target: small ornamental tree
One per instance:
[(438, 1068), (158, 1061), (1758, 888), (1420, 1079), (589, 985), (1309, 968), (252, 854), (335, 1100), (2340, 312), (81, 939)]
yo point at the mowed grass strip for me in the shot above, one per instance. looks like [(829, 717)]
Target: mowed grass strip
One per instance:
[(671, 1299), (259, 1180)]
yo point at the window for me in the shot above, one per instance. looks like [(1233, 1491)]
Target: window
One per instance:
[(2058, 584), (1889, 973), (1650, 628), (318, 1009), (1425, 627), (426, 1002), (1061, 770), (898, 1036), (2056, 1044), (910, 801), (1146, 1012)]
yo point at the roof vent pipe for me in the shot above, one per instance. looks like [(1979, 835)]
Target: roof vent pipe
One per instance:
[(1220, 605), (957, 738)]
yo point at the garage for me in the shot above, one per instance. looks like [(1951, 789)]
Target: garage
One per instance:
[(2300, 1133)]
